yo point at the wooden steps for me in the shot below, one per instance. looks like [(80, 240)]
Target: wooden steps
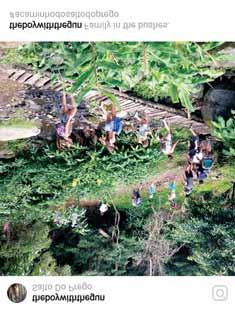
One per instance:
[(127, 103)]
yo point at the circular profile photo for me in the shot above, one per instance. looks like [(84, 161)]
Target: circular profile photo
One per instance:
[(16, 292)]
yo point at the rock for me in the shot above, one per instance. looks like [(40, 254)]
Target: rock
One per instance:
[(5, 152), (13, 133), (218, 102), (227, 62), (31, 105)]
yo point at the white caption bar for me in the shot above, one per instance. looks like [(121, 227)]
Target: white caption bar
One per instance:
[(123, 292), (149, 20)]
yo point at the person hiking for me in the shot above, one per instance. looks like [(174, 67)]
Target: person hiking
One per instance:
[(201, 174), (117, 121), (193, 144), (196, 160), (166, 141), (113, 126), (172, 192), (136, 198), (188, 178), (152, 190), (143, 130), (64, 127)]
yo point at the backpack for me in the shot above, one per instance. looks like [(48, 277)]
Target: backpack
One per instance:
[(207, 163), (117, 125)]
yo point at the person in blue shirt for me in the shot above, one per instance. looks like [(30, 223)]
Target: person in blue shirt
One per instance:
[(113, 126), (172, 192), (143, 130), (152, 190)]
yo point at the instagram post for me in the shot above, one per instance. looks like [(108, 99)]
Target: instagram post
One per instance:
[(117, 170)]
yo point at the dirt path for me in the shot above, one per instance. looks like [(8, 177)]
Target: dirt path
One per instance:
[(161, 180)]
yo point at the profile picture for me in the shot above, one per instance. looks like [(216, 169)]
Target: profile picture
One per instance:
[(16, 292)]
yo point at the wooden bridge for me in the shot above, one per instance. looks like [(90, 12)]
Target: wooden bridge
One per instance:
[(127, 103)]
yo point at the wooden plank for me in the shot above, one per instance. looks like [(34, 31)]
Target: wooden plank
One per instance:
[(10, 72), (130, 106), (98, 98), (17, 75), (122, 100), (158, 114), (91, 93), (126, 102), (141, 108), (174, 118), (58, 88), (54, 86), (42, 81), (92, 97), (24, 77), (33, 79)]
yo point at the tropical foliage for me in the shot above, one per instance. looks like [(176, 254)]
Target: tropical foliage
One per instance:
[(40, 193), (150, 69), (225, 132), (207, 234), (45, 229)]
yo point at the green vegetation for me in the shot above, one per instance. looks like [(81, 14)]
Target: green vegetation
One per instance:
[(225, 132), (150, 69), (207, 234), (22, 56), (46, 231), (40, 192)]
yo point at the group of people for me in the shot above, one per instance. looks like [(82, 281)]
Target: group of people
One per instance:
[(199, 165), (113, 125), (199, 161), (152, 192)]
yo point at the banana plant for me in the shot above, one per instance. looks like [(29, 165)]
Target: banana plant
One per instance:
[(151, 69)]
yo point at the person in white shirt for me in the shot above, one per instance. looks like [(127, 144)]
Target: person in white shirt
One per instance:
[(166, 143)]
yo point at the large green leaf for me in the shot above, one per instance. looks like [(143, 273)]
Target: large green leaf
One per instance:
[(185, 99), (82, 78), (173, 92)]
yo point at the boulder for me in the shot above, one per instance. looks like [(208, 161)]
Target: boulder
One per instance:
[(5, 152), (15, 133), (218, 102)]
